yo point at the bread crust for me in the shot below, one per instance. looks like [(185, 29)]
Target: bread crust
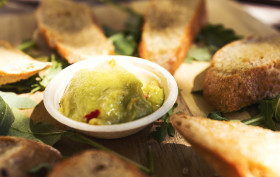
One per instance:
[(233, 149), (19, 155), (229, 92), (16, 65), (83, 41), (177, 55), (95, 163)]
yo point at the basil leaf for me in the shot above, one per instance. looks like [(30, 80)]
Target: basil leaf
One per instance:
[(160, 133), (20, 127), (171, 130), (26, 128), (199, 53), (124, 44), (15, 101), (217, 35), (57, 66), (209, 40), (266, 108), (217, 116), (277, 109), (6, 117), (27, 44), (46, 132)]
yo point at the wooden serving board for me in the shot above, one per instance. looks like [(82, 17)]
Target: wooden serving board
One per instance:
[(174, 157)]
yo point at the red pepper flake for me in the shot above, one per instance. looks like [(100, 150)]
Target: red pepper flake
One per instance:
[(93, 114), (146, 95)]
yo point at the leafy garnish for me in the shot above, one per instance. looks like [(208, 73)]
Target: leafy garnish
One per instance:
[(15, 101), (6, 117), (200, 53), (126, 42), (217, 35), (27, 44), (57, 66), (165, 126), (25, 127), (217, 116), (209, 40), (269, 114)]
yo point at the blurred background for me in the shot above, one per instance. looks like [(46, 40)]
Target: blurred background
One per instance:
[(267, 11)]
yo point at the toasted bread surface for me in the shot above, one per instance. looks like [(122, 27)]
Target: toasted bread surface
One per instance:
[(70, 28), (95, 163), (168, 31), (19, 155), (16, 65), (243, 73), (232, 148)]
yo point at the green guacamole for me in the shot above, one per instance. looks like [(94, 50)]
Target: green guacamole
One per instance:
[(109, 95)]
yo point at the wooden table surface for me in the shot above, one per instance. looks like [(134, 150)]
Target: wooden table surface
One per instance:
[(173, 157)]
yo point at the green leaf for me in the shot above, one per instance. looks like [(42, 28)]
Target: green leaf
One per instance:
[(256, 120), (133, 26), (188, 60), (124, 44), (21, 126), (266, 108), (200, 53), (170, 130), (26, 128), (15, 101), (165, 127), (277, 108), (217, 35), (6, 117), (57, 66), (217, 116), (46, 132), (22, 86), (27, 44), (160, 133)]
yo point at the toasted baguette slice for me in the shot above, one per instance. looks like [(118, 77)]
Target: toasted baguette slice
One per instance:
[(19, 155), (70, 28), (16, 65), (243, 72), (169, 29), (233, 149), (95, 163)]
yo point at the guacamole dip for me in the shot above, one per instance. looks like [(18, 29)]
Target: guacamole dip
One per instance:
[(109, 95)]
